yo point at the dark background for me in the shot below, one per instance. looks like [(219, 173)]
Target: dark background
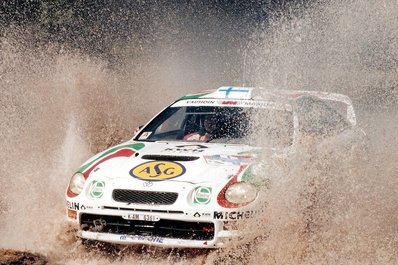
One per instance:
[(100, 27)]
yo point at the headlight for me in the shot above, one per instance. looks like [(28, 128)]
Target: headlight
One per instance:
[(241, 192), (76, 183)]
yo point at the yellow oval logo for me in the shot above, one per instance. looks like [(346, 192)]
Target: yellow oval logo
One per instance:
[(158, 170)]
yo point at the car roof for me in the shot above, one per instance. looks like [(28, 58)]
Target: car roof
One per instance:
[(235, 92), (259, 93)]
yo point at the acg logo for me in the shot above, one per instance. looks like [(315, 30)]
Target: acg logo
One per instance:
[(158, 170)]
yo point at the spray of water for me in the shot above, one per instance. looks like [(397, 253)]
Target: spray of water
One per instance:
[(337, 207), (59, 107)]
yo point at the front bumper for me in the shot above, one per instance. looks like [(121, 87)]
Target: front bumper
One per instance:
[(151, 240), (171, 230)]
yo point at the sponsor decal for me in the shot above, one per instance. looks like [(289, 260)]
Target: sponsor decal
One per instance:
[(198, 214), (239, 103), (195, 102), (229, 102), (202, 195), (147, 184), (200, 102), (266, 105), (191, 148), (153, 239), (158, 170), (145, 135), (228, 160), (234, 89), (97, 189), (234, 215), (252, 152), (76, 206), (73, 205)]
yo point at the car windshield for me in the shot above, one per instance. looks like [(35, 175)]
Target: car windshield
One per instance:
[(221, 124)]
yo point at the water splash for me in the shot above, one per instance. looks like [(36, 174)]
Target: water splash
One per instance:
[(335, 209), (59, 107)]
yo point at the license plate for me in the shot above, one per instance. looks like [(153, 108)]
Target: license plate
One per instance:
[(142, 217)]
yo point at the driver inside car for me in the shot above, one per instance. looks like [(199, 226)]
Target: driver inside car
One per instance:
[(207, 127)]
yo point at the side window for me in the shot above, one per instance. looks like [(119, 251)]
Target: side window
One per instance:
[(319, 118), (274, 127)]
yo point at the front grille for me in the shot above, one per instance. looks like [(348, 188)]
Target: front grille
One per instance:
[(145, 197), (142, 210), (161, 228)]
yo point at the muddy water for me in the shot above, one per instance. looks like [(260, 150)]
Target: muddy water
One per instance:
[(335, 209), (60, 107)]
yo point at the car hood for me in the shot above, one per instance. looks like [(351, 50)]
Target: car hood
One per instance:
[(177, 162)]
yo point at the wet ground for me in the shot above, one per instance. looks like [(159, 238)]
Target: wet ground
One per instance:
[(13, 257)]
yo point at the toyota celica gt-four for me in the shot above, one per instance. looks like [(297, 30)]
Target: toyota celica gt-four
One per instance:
[(191, 170)]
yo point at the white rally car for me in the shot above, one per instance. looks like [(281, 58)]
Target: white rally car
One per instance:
[(191, 170)]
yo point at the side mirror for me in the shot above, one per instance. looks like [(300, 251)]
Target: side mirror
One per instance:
[(136, 130)]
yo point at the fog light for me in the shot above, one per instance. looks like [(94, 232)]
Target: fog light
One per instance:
[(72, 214), (208, 229)]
